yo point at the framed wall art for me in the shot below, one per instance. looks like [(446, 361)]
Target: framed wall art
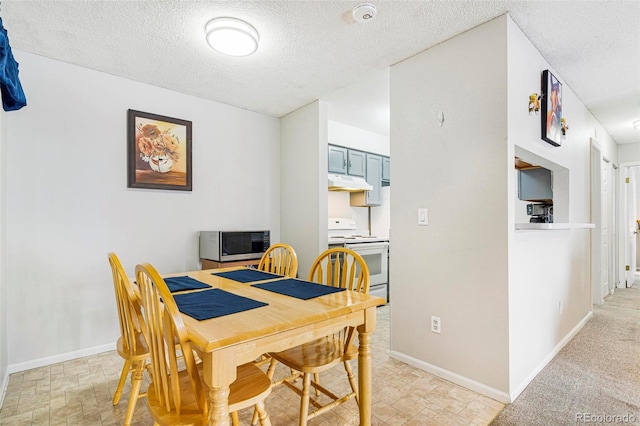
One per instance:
[(158, 151), (551, 109)]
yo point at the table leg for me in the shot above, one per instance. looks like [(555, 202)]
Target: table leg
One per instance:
[(219, 372), (364, 365)]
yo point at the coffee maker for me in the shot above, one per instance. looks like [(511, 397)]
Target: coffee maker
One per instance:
[(540, 213)]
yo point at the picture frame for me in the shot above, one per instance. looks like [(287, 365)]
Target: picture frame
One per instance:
[(158, 152), (551, 117)]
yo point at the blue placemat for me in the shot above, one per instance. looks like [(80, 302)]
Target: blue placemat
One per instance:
[(247, 275), (184, 283), (214, 303), (298, 288)]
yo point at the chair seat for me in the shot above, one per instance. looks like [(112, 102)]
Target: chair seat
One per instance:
[(190, 413), (316, 356), (250, 387), (141, 351)]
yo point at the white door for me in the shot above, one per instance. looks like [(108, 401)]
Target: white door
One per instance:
[(604, 230), (614, 278), (631, 226)]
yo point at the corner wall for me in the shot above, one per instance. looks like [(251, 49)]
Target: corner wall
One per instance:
[(303, 182), (457, 266)]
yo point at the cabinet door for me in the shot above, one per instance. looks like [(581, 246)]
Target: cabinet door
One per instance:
[(356, 163), (374, 178), (386, 171), (337, 160)]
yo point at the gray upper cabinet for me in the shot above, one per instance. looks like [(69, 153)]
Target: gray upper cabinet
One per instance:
[(386, 171), (374, 178), (337, 160), (356, 163), (374, 168), (347, 161)]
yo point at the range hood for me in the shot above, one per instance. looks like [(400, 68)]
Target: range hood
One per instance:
[(348, 183)]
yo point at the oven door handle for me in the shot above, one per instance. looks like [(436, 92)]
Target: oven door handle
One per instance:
[(366, 246)]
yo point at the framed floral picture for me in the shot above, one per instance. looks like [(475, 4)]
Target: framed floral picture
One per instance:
[(159, 151), (551, 109)]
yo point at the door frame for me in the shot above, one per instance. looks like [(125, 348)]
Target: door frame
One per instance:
[(595, 165), (596, 162), (624, 238), (612, 223), (615, 224)]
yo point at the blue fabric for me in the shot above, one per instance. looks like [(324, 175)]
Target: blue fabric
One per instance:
[(213, 303), (184, 283), (247, 275), (12, 94), (299, 289)]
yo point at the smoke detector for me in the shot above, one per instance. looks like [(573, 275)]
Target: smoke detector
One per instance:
[(364, 12)]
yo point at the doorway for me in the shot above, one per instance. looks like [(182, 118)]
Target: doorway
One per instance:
[(603, 213), (629, 225)]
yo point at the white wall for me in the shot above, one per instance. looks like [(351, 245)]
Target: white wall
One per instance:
[(4, 375), (628, 153), (356, 138), (303, 182), (456, 267), (68, 203), (339, 206), (549, 271)]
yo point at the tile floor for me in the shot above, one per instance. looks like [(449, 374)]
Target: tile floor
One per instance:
[(79, 392)]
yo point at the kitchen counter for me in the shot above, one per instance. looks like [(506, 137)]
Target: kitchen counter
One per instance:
[(552, 226)]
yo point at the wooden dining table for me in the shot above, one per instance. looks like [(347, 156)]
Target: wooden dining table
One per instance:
[(231, 340)]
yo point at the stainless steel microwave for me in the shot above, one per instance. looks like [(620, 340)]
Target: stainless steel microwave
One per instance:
[(226, 246)]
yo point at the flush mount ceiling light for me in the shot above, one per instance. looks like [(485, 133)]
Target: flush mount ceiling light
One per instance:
[(231, 36)]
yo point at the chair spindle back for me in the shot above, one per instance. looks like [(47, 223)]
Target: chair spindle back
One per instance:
[(280, 259), (164, 327)]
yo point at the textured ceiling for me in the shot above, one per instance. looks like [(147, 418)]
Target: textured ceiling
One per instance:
[(311, 49)]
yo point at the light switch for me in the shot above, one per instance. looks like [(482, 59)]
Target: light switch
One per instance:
[(423, 217)]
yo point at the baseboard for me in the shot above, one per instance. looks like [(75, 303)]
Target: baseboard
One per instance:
[(5, 384), (481, 388), (452, 377), (518, 390), (41, 362)]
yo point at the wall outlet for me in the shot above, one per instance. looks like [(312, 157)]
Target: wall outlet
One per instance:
[(560, 306), (436, 325)]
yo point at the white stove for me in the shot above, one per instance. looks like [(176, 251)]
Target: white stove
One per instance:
[(342, 232)]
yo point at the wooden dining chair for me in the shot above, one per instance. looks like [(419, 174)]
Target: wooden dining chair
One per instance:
[(131, 345), (178, 396), (280, 259), (336, 267)]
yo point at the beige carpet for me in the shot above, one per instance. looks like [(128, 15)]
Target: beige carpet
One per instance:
[(595, 378)]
